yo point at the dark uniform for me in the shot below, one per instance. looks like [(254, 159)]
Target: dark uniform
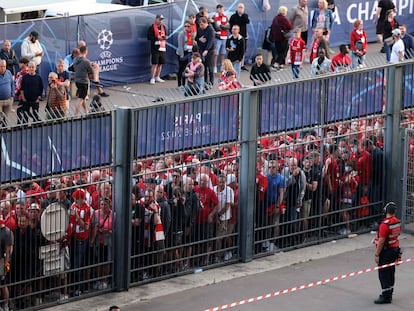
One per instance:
[(389, 229)]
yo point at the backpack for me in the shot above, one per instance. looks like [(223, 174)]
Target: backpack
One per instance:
[(269, 35), (268, 39)]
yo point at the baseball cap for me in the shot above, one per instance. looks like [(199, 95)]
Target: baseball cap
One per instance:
[(230, 179), (34, 206), (160, 16), (34, 34), (79, 194), (396, 32)]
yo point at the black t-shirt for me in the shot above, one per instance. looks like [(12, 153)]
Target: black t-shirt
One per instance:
[(32, 85), (6, 239), (385, 6)]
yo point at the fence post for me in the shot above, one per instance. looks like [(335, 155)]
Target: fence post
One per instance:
[(124, 133), (393, 137), (247, 182)]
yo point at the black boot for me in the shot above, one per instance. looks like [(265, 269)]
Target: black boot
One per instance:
[(381, 300)]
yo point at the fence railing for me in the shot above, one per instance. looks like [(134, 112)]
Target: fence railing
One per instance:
[(210, 169)]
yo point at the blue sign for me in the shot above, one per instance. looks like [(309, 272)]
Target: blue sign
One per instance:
[(289, 106), (55, 148), (186, 126)]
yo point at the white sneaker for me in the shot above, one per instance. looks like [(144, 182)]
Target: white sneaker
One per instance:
[(228, 255), (152, 81), (6, 307), (63, 297), (96, 285), (215, 70), (158, 79), (272, 247), (103, 285)]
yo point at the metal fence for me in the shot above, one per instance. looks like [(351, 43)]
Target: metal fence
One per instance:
[(197, 183)]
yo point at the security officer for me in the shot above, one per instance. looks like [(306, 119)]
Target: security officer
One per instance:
[(387, 251)]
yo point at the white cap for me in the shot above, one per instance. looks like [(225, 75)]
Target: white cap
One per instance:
[(396, 32), (230, 178)]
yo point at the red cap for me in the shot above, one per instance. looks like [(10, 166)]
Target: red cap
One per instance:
[(79, 194)]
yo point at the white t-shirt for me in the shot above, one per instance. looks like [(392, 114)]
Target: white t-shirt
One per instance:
[(224, 197), (397, 47)]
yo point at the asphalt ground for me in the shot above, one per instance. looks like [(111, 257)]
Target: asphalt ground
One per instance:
[(215, 287)]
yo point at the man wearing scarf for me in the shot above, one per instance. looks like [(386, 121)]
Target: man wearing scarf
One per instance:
[(157, 34)]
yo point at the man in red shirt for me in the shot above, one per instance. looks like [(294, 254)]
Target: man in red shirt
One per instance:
[(331, 177), (206, 215), (387, 251), (79, 224), (364, 167), (342, 61), (221, 26)]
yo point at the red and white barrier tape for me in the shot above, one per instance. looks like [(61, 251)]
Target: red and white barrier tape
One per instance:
[(293, 289)]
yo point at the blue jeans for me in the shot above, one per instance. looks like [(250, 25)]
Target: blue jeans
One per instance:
[(357, 60), (387, 50), (295, 71), (237, 68)]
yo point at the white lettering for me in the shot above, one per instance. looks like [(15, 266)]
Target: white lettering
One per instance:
[(187, 119), (363, 12)]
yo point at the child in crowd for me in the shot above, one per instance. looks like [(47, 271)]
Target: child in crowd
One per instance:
[(297, 50), (230, 82)]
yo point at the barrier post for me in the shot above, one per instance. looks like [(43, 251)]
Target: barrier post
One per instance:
[(393, 151), (247, 182), (124, 133)]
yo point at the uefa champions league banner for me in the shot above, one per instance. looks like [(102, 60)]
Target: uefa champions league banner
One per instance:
[(186, 126), (55, 148)]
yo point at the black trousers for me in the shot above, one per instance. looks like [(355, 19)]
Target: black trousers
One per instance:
[(387, 275)]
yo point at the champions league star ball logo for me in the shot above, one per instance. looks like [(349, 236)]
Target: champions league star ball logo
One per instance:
[(105, 39)]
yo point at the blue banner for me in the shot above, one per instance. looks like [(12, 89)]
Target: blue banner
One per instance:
[(186, 126), (408, 97), (289, 106), (292, 106), (355, 95), (55, 148)]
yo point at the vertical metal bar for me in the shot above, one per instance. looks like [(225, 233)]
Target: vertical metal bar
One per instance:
[(249, 128), (393, 144), (124, 134), (404, 180)]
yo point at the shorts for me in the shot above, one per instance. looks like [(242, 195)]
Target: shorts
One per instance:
[(158, 58), (105, 253), (305, 210), (82, 91), (221, 46), (177, 238), (222, 228), (380, 27)]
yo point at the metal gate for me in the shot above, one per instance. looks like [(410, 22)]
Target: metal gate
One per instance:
[(408, 182)]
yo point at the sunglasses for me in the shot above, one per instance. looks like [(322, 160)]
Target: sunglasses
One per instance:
[(187, 26)]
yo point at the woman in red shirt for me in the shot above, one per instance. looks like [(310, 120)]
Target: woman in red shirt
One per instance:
[(358, 39)]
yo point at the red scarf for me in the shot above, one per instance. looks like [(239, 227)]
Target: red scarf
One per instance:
[(189, 46), (160, 42)]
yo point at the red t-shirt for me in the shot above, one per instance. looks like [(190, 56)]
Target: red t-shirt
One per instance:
[(208, 200), (333, 172), (297, 46), (84, 213), (364, 167), (261, 184)]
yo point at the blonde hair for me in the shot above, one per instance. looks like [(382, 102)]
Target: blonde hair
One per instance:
[(227, 65), (282, 10), (325, 3)]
